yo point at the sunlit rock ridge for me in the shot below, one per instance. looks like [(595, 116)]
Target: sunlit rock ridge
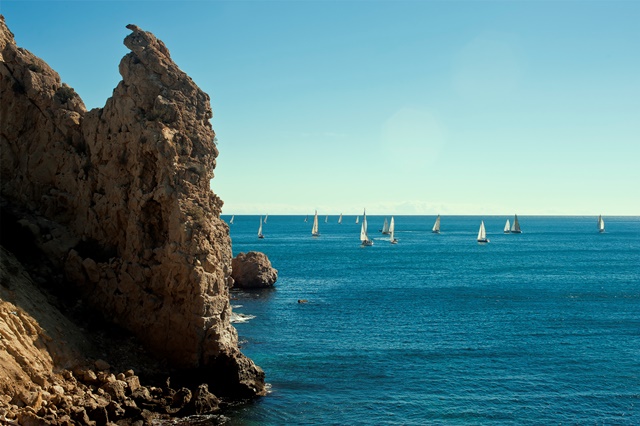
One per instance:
[(122, 202)]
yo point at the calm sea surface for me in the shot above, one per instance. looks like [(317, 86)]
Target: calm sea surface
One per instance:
[(537, 328)]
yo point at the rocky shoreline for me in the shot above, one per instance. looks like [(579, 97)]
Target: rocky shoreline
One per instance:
[(115, 264)]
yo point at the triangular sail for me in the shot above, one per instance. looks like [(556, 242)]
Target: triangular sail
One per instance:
[(260, 228), (600, 224), (392, 228), (481, 232), (515, 228), (436, 226), (314, 230), (385, 226), (326, 219), (231, 221), (340, 218), (482, 235), (265, 218), (363, 232), (363, 229), (507, 227), (357, 219)]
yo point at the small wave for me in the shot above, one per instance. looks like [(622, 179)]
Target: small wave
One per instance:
[(240, 318), (236, 306)]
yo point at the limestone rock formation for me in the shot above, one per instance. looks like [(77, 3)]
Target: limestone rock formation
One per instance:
[(121, 202), (253, 270)]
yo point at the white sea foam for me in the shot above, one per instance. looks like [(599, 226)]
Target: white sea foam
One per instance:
[(237, 318)]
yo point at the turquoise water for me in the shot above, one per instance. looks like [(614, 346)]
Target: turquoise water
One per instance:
[(537, 328)]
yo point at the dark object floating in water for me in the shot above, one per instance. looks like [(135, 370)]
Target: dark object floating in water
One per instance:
[(302, 300)]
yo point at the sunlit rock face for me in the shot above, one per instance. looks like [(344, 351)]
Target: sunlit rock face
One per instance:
[(124, 197)]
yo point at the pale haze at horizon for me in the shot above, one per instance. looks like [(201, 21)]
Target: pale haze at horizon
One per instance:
[(432, 107)]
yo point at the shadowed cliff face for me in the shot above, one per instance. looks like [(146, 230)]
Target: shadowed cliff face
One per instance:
[(124, 200)]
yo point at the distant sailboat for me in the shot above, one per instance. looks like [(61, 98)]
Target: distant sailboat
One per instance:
[(363, 231), (314, 230), (357, 219), (392, 228), (436, 226), (306, 218), (515, 228), (326, 219), (231, 221), (265, 217), (340, 218), (600, 224), (507, 227), (482, 235), (260, 229), (385, 227)]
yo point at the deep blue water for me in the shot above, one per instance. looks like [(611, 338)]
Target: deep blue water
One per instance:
[(537, 328)]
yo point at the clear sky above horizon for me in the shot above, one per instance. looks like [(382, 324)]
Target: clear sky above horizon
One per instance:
[(402, 107)]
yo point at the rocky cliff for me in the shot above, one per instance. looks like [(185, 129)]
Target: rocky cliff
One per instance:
[(119, 199)]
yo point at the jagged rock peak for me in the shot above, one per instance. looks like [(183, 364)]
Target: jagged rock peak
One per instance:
[(140, 40)]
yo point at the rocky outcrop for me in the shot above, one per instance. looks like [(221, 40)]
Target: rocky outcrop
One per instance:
[(49, 374), (253, 270), (119, 199)]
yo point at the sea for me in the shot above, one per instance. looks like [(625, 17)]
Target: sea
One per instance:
[(538, 328)]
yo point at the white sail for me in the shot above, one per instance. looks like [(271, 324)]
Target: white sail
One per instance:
[(260, 229), (357, 219), (363, 231), (385, 227), (265, 218), (507, 227), (326, 219), (231, 221), (392, 228), (314, 230), (515, 228), (482, 235), (600, 224), (340, 218), (436, 226)]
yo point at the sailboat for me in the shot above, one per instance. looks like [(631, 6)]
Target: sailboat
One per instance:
[(260, 229), (357, 219), (265, 217), (482, 235), (314, 230), (231, 221), (436, 226), (392, 228), (600, 224), (363, 231), (326, 219), (385, 227), (515, 228), (507, 227), (306, 218), (340, 218)]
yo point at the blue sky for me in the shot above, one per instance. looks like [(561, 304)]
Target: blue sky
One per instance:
[(417, 107)]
